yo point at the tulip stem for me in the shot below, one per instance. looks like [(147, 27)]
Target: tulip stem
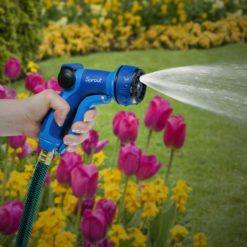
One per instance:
[(78, 217), (115, 155), (169, 165), (148, 140), (121, 205)]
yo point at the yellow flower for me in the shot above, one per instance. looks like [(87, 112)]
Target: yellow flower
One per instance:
[(180, 197), (138, 238), (111, 191), (65, 239), (33, 143), (17, 184), (199, 240), (136, 7), (117, 234), (99, 158), (32, 67), (132, 197), (150, 210), (178, 232), (22, 95)]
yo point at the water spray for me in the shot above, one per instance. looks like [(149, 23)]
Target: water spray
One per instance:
[(83, 89)]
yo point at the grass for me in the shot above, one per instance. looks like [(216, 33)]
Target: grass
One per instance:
[(214, 159)]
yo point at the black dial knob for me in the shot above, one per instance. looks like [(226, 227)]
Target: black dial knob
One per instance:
[(66, 77)]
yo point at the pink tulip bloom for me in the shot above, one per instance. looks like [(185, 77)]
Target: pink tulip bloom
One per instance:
[(93, 225), (39, 88), (84, 180), (53, 84), (175, 131), (10, 215), (157, 114), (25, 151), (102, 243), (149, 166), (92, 143), (68, 161), (125, 126), (87, 203), (129, 159), (3, 92), (32, 80), (12, 68), (17, 141), (7, 92), (109, 209)]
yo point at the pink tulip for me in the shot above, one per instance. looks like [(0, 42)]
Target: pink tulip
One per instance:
[(92, 143), (68, 161), (7, 92), (32, 80), (157, 114), (39, 88), (10, 215), (3, 92), (175, 131), (17, 141), (125, 126), (25, 151), (129, 159), (84, 180), (93, 225), (12, 68), (53, 84), (87, 203), (109, 209), (102, 243), (148, 167)]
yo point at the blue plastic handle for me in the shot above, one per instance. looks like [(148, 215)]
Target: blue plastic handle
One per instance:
[(88, 103)]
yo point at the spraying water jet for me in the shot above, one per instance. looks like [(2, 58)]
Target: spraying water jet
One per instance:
[(219, 88)]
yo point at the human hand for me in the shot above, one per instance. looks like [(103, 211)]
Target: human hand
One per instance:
[(37, 106)]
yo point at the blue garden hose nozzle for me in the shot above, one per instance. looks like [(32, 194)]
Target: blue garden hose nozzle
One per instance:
[(86, 88), (82, 89)]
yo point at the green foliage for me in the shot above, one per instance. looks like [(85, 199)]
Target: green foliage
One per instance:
[(20, 29)]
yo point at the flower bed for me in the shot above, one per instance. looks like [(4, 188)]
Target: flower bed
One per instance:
[(72, 39), (89, 198)]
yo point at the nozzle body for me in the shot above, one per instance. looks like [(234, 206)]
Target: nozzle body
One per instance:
[(84, 89)]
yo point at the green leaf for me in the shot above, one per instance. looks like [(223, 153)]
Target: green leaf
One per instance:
[(135, 220), (167, 219), (160, 226)]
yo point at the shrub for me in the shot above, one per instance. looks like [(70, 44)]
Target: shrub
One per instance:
[(20, 29)]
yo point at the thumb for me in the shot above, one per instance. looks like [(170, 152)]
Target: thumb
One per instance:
[(60, 106)]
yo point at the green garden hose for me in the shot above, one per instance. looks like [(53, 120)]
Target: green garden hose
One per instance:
[(32, 198)]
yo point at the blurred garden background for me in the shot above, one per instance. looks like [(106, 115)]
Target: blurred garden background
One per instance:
[(152, 35)]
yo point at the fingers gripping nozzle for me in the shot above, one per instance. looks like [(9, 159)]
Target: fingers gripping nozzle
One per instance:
[(84, 89)]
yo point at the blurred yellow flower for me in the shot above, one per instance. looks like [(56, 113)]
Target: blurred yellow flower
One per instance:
[(116, 234), (32, 67), (66, 239), (138, 238), (99, 158), (150, 210), (178, 232), (32, 142), (132, 197), (180, 197), (199, 240), (22, 95)]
